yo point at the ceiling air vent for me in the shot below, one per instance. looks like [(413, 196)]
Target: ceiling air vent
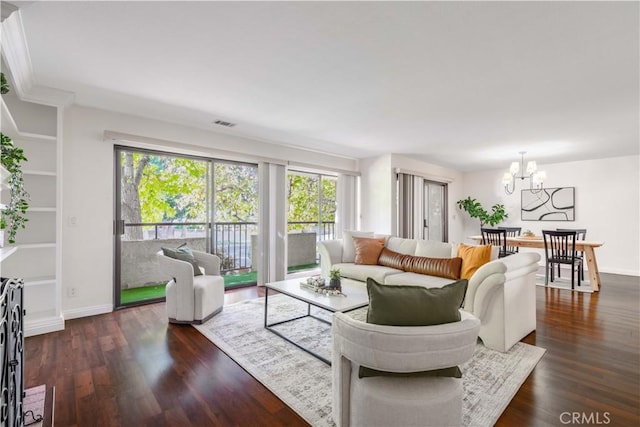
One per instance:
[(224, 123)]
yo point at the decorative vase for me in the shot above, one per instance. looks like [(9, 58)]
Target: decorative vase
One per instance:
[(335, 284)]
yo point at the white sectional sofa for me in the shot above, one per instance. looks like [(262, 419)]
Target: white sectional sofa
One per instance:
[(501, 293)]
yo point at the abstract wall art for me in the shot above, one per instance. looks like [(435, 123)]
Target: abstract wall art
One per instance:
[(550, 204)]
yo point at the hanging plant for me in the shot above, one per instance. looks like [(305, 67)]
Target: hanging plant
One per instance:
[(13, 216), (4, 87)]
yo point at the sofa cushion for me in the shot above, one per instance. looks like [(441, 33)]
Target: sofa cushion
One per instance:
[(416, 279), (442, 267), (414, 305), (362, 272), (473, 257), (348, 248), (392, 259), (401, 245), (368, 250), (433, 249)]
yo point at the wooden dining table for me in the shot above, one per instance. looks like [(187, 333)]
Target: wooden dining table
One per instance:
[(585, 246)]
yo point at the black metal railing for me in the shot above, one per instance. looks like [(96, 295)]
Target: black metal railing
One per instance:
[(231, 241)]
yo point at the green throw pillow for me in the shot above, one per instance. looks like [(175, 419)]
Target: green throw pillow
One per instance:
[(402, 305), (183, 253)]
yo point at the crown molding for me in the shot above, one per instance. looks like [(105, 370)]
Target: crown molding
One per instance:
[(15, 51)]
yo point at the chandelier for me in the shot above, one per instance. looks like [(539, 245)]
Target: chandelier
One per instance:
[(536, 178)]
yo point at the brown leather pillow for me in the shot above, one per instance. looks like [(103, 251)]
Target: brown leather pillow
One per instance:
[(392, 259), (449, 268), (367, 250)]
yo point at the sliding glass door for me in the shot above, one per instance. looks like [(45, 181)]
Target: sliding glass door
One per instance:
[(435, 213), (311, 217), (166, 200)]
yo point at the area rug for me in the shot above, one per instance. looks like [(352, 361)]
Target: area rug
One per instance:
[(565, 283), (490, 378)]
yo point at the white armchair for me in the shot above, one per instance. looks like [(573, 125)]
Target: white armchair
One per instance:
[(192, 299), (399, 401)]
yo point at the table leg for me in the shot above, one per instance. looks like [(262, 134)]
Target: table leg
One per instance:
[(266, 303), (592, 266)]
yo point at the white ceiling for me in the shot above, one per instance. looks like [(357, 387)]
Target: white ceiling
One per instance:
[(461, 84)]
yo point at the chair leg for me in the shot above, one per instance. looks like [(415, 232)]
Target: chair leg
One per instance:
[(559, 265), (579, 274), (552, 272), (573, 276)]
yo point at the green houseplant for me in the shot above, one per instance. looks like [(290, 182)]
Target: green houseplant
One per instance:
[(475, 210), (13, 215), (334, 276)]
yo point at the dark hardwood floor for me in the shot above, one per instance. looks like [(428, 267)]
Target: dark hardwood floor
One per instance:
[(130, 368)]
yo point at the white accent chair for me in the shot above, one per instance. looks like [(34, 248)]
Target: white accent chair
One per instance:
[(193, 299), (399, 401)]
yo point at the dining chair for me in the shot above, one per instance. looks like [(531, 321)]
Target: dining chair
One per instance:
[(495, 237), (559, 248), (581, 234), (512, 232)]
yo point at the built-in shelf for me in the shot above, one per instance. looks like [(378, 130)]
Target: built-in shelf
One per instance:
[(43, 209), (10, 128), (7, 251), (37, 259), (39, 281), (41, 173), (36, 245)]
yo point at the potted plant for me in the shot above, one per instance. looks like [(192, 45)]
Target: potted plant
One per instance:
[(13, 215), (475, 210), (334, 276)]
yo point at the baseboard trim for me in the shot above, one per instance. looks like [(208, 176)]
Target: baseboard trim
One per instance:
[(76, 313), (43, 326), (620, 271)]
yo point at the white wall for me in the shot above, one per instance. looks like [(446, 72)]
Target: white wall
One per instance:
[(607, 195), (379, 198), (88, 246), (376, 194)]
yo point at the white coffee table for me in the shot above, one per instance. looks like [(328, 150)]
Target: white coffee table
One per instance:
[(355, 296)]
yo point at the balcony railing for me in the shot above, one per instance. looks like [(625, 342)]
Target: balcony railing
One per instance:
[(231, 240)]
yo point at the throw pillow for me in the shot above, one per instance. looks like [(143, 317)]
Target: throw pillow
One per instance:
[(348, 249), (389, 258), (400, 305), (183, 253), (449, 268), (367, 250), (403, 305), (473, 257)]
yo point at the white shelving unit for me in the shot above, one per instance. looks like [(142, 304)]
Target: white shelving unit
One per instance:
[(35, 257)]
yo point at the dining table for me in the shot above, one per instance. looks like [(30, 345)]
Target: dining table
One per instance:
[(585, 246)]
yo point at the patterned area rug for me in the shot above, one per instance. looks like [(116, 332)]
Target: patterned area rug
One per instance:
[(490, 378), (565, 283)]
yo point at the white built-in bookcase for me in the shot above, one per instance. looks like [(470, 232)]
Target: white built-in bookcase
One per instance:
[(35, 256)]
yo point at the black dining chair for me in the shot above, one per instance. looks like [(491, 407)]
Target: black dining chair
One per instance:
[(512, 232), (495, 237), (559, 248), (581, 234)]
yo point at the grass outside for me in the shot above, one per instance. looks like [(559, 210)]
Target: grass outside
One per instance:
[(231, 281)]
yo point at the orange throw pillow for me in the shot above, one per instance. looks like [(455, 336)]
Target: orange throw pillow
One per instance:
[(368, 250), (473, 257)]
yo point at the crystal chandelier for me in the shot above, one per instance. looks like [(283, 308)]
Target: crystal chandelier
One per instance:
[(536, 178)]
